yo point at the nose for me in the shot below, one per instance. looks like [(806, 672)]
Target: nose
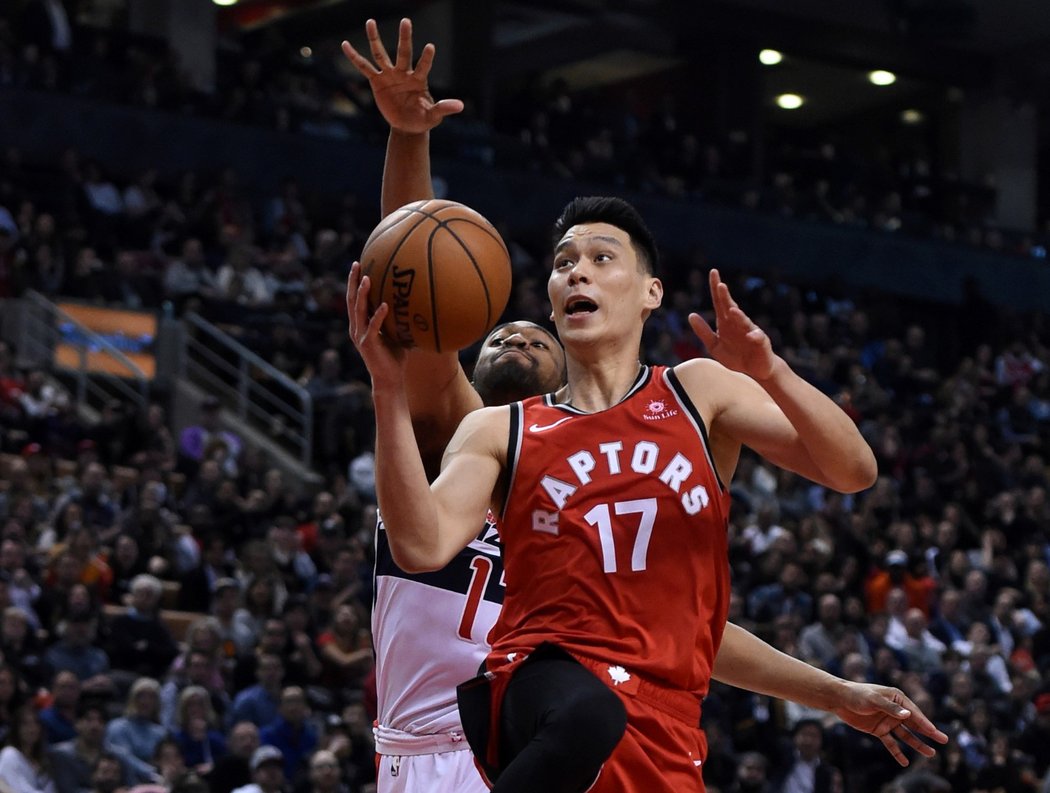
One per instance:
[(515, 340), (578, 274)]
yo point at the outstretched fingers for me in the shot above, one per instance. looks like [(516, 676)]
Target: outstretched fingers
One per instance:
[(359, 61), (404, 45), (379, 53)]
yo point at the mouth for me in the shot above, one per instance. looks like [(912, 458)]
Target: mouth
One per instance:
[(515, 351), (579, 304)]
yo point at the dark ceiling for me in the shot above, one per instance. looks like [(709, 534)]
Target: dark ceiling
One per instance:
[(934, 45)]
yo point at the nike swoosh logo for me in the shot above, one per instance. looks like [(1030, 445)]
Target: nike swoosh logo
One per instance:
[(538, 428)]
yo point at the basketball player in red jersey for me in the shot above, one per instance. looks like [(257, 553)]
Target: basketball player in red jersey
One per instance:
[(742, 659)]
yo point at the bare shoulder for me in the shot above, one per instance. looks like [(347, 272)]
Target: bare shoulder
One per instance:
[(482, 431), (706, 380)]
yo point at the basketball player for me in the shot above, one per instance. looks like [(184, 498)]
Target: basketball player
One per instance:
[(416, 617)]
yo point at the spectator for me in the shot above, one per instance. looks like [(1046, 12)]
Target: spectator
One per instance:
[(140, 641), (24, 764), (108, 775), (750, 774), (59, 718), (195, 732), (291, 732), (803, 770), (194, 440), (784, 597), (325, 774), (233, 770), (346, 649), (267, 766), (138, 731), (895, 574), (258, 704), (72, 761), (21, 645)]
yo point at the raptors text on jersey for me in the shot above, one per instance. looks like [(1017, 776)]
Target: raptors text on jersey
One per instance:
[(614, 535)]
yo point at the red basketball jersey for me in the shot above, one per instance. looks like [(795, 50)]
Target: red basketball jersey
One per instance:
[(614, 535)]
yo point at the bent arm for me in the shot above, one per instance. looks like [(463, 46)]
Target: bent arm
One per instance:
[(787, 421), (427, 526)]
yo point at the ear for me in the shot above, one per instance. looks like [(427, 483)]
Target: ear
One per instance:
[(655, 295), (552, 316)]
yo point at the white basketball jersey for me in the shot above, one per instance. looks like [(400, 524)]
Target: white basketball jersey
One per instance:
[(430, 633)]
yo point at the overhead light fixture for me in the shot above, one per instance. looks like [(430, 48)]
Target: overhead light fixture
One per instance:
[(224, 2), (306, 52), (912, 116), (882, 77), (770, 57), (790, 101)]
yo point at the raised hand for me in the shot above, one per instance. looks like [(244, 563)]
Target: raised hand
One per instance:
[(401, 91), (891, 717), (738, 343), (384, 361)]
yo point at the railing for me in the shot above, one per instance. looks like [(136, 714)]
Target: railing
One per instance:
[(100, 372), (255, 390)]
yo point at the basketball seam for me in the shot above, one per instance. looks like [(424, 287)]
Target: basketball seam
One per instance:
[(387, 267)]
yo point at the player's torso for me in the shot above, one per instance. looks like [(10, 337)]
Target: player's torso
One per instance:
[(430, 633), (614, 534)]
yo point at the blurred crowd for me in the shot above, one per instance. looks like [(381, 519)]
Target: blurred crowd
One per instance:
[(632, 140), (175, 614)]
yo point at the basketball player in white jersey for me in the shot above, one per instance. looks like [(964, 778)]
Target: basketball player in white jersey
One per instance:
[(430, 630)]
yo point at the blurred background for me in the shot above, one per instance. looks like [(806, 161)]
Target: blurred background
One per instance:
[(184, 184)]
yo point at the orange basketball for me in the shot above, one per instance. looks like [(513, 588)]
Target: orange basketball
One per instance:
[(444, 271)]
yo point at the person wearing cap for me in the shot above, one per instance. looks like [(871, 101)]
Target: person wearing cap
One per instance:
[(895, 573), (267, 766)]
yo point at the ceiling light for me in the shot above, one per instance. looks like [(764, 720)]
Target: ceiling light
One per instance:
[(790, 101), (882, 77), (224, 2), (770, 57), (912, 116), (305, 52)]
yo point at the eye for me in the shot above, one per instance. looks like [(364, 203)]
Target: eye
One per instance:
[(542, 345), (559, 263), (603, 257), (496, 343)]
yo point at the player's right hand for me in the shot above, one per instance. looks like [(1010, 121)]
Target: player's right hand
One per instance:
[(401, 91), (385, 362)]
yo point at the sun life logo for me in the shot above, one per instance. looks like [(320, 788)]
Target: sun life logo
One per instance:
[(657, 409), (619, 675)]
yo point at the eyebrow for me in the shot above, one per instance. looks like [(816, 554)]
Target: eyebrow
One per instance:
[(598, 237)]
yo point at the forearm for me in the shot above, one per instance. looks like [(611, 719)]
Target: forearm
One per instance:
[(747, 662), (406, 502), (827, 433), (406, 171)]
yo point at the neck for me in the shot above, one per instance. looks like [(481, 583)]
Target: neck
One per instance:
[(598, 386)]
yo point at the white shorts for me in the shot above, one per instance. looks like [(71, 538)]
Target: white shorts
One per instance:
[(444, 772)]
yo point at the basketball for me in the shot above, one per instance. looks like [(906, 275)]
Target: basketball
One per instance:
[(444, 271)]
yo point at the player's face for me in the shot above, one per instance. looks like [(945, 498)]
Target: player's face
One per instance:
[(518, 360), (597, 286)]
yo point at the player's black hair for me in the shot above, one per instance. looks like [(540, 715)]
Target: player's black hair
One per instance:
[(615, 212)]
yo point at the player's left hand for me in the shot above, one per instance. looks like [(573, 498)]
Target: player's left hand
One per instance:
[(738, 343), (891, 717), (385, 362), (400, 89)]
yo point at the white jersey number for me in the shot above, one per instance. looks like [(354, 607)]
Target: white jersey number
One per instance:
[(599, 516)]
